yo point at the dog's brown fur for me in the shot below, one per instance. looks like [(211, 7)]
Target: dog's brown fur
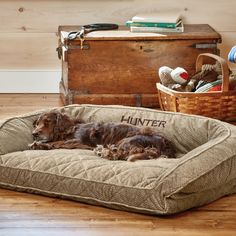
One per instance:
[(112, 141)]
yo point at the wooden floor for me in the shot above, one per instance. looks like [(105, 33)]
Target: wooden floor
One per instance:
[(28, 214)]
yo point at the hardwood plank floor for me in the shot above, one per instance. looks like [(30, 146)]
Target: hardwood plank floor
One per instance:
[(28, 214), (16, 104)]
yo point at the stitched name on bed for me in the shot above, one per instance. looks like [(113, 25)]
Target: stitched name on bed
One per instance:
[(143, 121)]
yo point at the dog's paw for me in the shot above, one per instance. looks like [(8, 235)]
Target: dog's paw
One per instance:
[(102, 152), (33, 145), (39, 146), (98, 150), (106, 153), (113, 148)]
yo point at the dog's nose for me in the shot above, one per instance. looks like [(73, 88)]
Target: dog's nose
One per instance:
[(35, 134)]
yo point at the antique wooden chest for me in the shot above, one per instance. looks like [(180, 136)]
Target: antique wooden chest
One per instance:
[(120, 67)]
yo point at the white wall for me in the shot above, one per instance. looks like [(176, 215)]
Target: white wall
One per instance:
[(28, 32)]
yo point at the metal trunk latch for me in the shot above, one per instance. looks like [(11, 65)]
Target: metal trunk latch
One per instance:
[(81, 43)]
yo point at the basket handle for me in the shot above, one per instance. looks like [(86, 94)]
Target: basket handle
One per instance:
[(223, 64)]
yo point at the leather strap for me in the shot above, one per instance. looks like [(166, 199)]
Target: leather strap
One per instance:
[(85, 29)]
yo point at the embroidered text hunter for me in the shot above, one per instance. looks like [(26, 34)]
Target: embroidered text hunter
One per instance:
[(143, 122)]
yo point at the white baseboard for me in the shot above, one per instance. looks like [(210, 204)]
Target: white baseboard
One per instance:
[(25, 81), (30, 81)]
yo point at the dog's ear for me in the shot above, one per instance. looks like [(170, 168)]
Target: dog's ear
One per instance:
[(61, 125), (94, 132), (64, 123)]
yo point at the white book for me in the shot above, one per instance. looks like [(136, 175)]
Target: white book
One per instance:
[(164, 17)]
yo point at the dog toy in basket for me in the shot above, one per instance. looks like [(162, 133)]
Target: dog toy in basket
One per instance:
[(175, 79), (179, 80), (216, 100)]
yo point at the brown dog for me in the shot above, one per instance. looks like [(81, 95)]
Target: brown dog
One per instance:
[(54, 130)]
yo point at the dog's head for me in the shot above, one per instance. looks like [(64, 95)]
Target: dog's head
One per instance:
[(52, 126)]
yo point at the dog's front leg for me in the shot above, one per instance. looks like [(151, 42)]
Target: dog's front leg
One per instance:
[(40, 146), (36, 145), (70, 144)]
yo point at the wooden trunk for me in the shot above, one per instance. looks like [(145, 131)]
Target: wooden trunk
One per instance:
[(120, 67)]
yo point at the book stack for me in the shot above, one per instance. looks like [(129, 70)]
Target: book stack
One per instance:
[(156, 23)]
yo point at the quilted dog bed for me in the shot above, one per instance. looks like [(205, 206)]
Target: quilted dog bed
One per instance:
[(204, 170)]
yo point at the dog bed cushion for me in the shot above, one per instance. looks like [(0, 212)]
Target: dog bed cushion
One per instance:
[(204, 170)]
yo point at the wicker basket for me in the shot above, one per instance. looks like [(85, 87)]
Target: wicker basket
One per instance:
[(220, 104)]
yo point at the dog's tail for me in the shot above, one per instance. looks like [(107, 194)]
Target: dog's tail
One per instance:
[(153, 153)]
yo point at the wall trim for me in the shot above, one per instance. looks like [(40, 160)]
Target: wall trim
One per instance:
[(29, 81)]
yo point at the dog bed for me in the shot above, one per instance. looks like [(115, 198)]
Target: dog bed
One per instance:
[(204, 170)]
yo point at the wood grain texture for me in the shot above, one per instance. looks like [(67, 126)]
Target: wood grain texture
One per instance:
[(18, 104), (228, 40), (120, 70), (28, 214), (191, 31), (45, 15), (24, 214), (27, 29), (28, 51)]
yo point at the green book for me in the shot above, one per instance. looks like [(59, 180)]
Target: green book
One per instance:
[(160, 30), (153, 24)]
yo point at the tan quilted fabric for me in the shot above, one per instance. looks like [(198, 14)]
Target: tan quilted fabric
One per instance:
[(204, 170)]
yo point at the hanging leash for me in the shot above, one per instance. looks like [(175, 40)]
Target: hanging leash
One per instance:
[(85, 29)]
